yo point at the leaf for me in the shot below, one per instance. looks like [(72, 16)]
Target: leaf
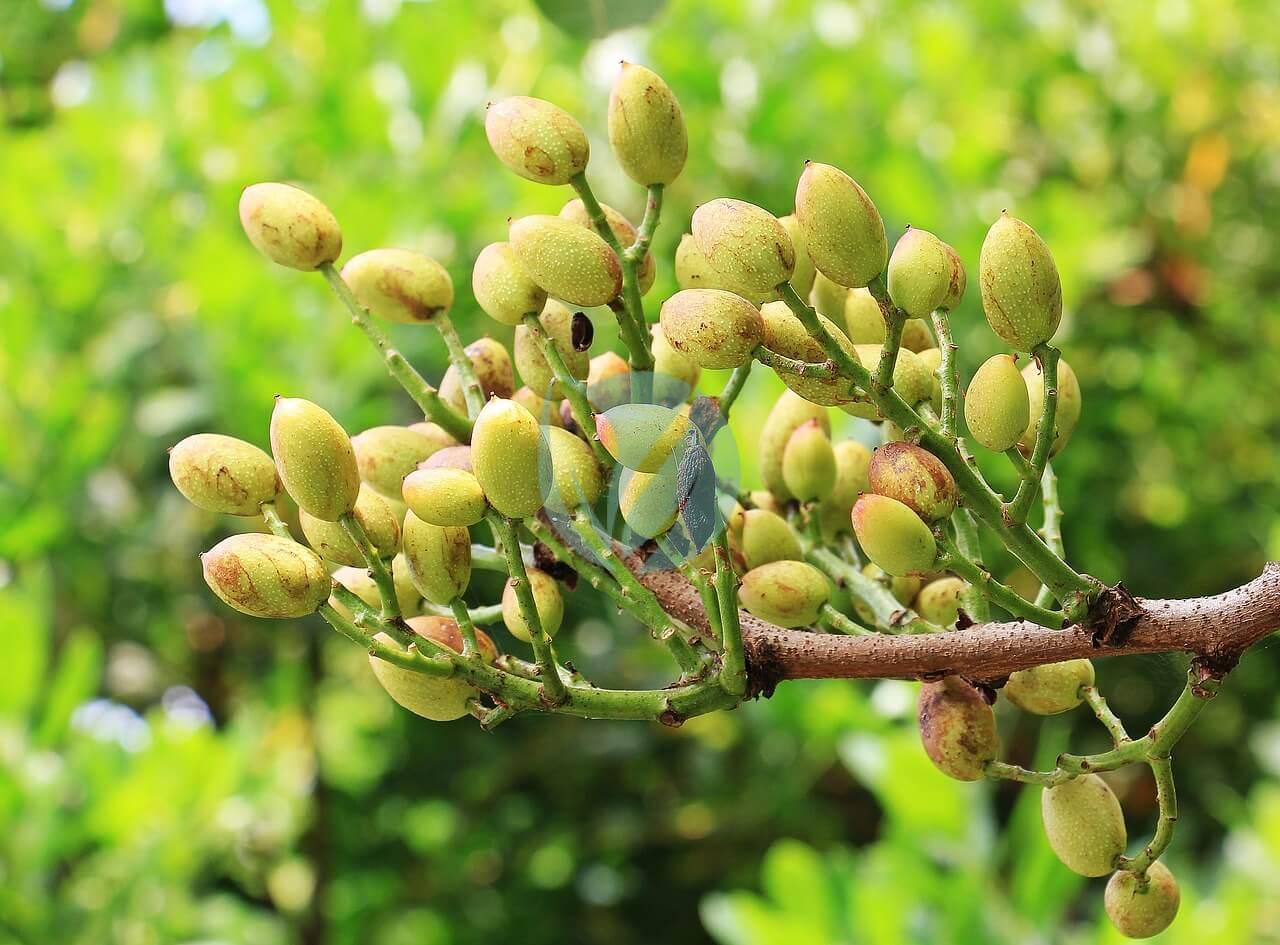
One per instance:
[(590, 19), (24, 613), (74, 680)]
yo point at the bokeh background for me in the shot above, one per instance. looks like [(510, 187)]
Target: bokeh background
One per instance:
[(172, 772)]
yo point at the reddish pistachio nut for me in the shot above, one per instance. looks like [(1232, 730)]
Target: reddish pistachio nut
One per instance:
[(547, 602), (359, 582), (547, 412), (911, 379), (853, 461), (672, 362), (646, 127), (502, 288), (1084, 824), (1067, 414), (567, 260), (535, 371), (266, 576), (786, 335), (1139, 910), (786, 593), (386, 454), (438, 558), (919, 276), (842, 228), (939, 601), (437, 698), (997, 408), (803, 276), (916, 478), (766, 537), (643, 437), (809, 462), (492, 365), (510, 458), (892, 535), (375, 515), (957, 728), (289, 226), (399, 285), (1050, 689), (575, 474), (1021, 294), (445, 496), (830, 299), (649, 502), (958, 281), (539, 141), (623, 231), (787, 414), (605, 366), (746, 246), (715, 328), (222, 474), (314, 458)]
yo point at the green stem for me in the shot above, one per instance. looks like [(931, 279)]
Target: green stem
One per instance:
[(648, 225), (1110, 721), (548, 673), (574, 390), (377, 567), (950, 558), (822, 370), (891, 615), (409, 658), (733, 665), (488, 559), (693, 574), (732, 388), (948, 375), (472, 392), (484, 616), (462, 617), (1167, 799), (1051, 530), (894, 320), (276, 525), (1017, 509), (970, 545), (843, 624)]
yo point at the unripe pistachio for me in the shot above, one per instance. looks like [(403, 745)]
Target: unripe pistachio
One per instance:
[(996, 406), (359, 582), (787, 413), (911, 379), (853, 461), (803, 276), (1084, 824), (932, 359), (745, 245), (643, 437), (957, 728), (501, 286), (289, 226), (1141, 912), (717, 329), (671, 361), (547, 601), (445, 496), (605, 366), (1050, 689), (830, 299), (939, 601), (375, 515), (1067, 414), (266, 576), (546, 412), (862, 317), (1021, 294), (222, 474), (694, 272), (764, 499), (623, 231), (916, 478), (786, 593), (557, 322), (785, 334), (399, 285), (892, 535), (842, 227), (439, 699), (567, 260), (575, 474), (492, 364), (314, 458), (919, 276), (385, 455), (958, 281), (649, 502), (510, 458), (539, 141), (438, 558), (646, 127), (766, 537), (451, 457), (809, 463)]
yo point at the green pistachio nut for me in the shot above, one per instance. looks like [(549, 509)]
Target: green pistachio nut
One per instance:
[(786, 335), (1021, 294), (492, 365), (828, 298), (892, 535), (649, 502), (567, 260), (1050, 689), (643, 437), (932, 359), (919, 275), (623, 231), (289, 226), (437, 698), (958, 280), (314, 458), (1067, 414), (445, 496), (537, 140), (386, 454), (510, 458), (809, 462), (997, 408), (399, 285), (546, 411), (1084, 824), (764, 499), (853, 462), (842, 228), (671, 361), (785, 593), (957, 728), (787, 413), (266, 576), (745, 245), (222, 474), (575, 474), (535, 371), (1141, 911), (939, 601), (803, 276), (862, 317), (331, 541), (911, 379), (916, 478), (766, 537), (438, 558), (359, 582), (547, 601), (646, 127), (717, 329), (501, 286)]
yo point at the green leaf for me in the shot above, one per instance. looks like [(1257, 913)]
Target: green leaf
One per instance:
[(24, 615), (589, 19), (75, 679)]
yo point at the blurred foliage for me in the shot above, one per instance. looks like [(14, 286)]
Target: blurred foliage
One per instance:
[(280, 796)]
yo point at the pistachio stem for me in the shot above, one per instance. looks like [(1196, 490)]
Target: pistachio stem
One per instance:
[(574, 390), (950, 558), (377, 567), (823, 370), (472, 392), (409, 658), (969, 543), (732, 388), (841, 623), (894, 320), (648, 225), (693, 574), (1017, 509), (733, 665), (948, 375), (1051, 530), (1167, 800), (483, 616), (275, 524), (1110, 721), (462, 617), (891, 615)]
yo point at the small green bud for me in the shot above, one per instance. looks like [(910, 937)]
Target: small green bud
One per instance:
[(575, 474), (385, 455), (745, 245), (932, 359), (567, 260), (1050, 689), (996, 406), (785, 593), (853, 461), (643, 437), (1084, 825), (492, 364), (958, 281), (957, 728), (330, 539), (673, 362), (557, 322), (649, 502), (289, 226), (437, 698), (892, 535), (786, 335), (399, 285), (803, 277), (547, 601), (359, 582), (546, 412), (510, 458), (842, 227), (830, 299), (502, 288), (916, 478), (1141, 912), (1021, 294), (646, 127), (787, 413), (766, 537), (911, 380), (919, 275), (445, 496), (438, 558), (1067, 415), (809, 462), (266, 576), (717, 329), (314, 458), (939, 601), (539, 141), (623, 231), (222, 474)]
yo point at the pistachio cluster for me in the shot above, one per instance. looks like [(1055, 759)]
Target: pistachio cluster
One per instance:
[(523, 456)]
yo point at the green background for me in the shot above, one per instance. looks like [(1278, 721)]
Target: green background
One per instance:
[(173, 772)]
